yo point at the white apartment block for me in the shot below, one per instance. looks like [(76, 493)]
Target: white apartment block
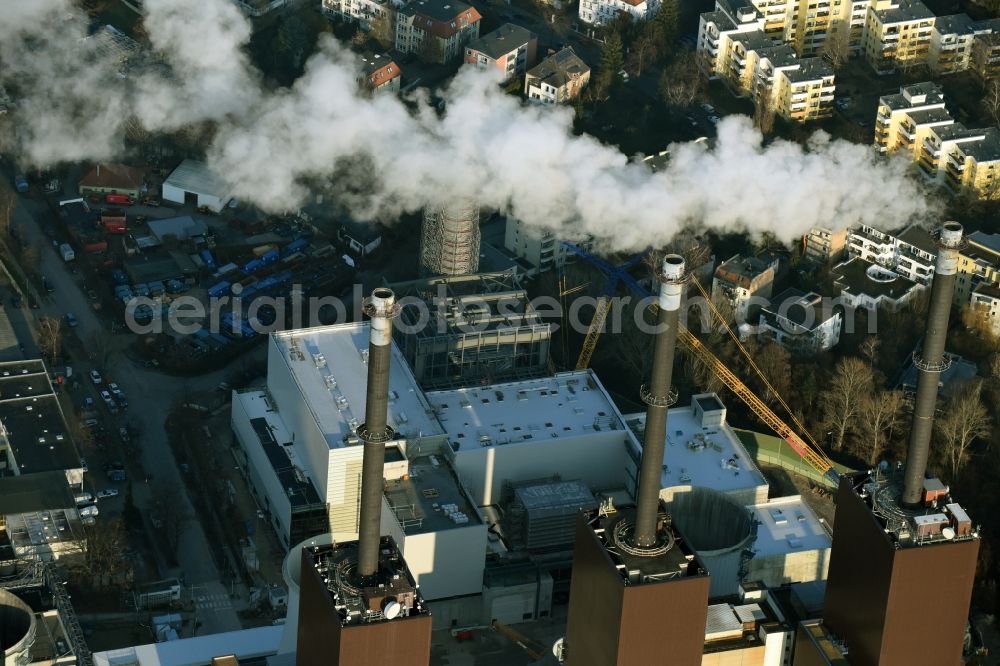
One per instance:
[(733, 46), (602, 12), (363, 11), (801, 322), (947, 153), (911, 253), (986, 298), (537, 247), (558, 79), (897, 34)]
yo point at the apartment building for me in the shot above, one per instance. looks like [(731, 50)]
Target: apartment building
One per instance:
[(978, 263), (363, 12), (510, 49), (824, 246), (558, 79), (379, 74), (973, 167), (986, 52), (897, 34), (602, 12), (744, 283), (867, 286), (537, 247), (905, 117), (734, 46), (436, 30), (911, 253), (802, 323), (986, 299)]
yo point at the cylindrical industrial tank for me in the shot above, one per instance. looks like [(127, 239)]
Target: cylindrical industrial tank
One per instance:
[(719, 529), (17, 630)]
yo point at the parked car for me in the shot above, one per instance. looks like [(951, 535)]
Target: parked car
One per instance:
[(46, 285), (708, 108), (95, 378), (71, 320), (107, 493), (115, 390), (109, 402), (91, 294)]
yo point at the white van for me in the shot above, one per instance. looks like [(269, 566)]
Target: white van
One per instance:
[(83, 498)]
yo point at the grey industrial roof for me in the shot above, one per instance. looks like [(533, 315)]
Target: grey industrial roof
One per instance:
[(28, 493), (195, 176), (30, 412), (182, 228), (502, 41), (557, 69), (753, 40), (956, 132), (782, 55), (419, 500)]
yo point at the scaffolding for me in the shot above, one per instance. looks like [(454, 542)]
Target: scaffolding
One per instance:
[(449, 239)]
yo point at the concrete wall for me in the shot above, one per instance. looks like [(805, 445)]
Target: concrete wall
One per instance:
[(262, 476), (448, 563), (598, 459), (800, 567)]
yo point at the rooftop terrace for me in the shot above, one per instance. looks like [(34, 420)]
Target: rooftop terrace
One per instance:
[(855, 277)]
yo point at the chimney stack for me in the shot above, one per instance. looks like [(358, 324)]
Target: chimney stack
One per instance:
[(931, 362), (658, 396), (375, 431)]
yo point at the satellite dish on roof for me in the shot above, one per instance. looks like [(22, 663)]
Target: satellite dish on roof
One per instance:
[(557, 650), (391, 610), (948, 533)]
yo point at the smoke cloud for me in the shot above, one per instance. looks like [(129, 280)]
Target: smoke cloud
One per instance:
[(382, 156)]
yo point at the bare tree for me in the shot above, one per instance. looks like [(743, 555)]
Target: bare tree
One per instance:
[(837, 47), (643, 49), (172, 512), (776, 364), (383, 29), (681, 82), (991, 100), (963, 422), (764, 114), (7, 201), (869, 349), (50, 337), (880, 415), (851, 385), (102, 558)]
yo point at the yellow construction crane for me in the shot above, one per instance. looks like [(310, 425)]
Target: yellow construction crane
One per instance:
[(809, 451)]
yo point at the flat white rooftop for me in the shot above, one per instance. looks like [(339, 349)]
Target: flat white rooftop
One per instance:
[(330, 366), (534, 411), (788, 525), (245, 644), (711, 457), (195, 176)]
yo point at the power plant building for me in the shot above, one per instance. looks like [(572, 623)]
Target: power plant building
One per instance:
[(469, 329)]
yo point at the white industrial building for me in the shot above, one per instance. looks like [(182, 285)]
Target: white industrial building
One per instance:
[(194, 183), (702, 451), (792, 545)]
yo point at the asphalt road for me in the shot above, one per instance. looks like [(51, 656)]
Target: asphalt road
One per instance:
[(150, 395)]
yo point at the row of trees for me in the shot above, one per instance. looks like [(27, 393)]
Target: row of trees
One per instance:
[(647, 43)]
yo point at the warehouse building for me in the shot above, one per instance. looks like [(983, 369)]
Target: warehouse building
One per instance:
[(193, 183)]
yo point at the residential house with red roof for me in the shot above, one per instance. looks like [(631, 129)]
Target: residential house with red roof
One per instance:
[(436, 30)]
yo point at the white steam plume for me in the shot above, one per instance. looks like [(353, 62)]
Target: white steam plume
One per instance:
[(381, 156)]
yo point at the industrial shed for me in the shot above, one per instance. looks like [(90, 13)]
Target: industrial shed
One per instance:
[(193, 182)]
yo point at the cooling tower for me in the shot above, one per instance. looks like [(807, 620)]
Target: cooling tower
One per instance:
[(449, 239), (17, 630)]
